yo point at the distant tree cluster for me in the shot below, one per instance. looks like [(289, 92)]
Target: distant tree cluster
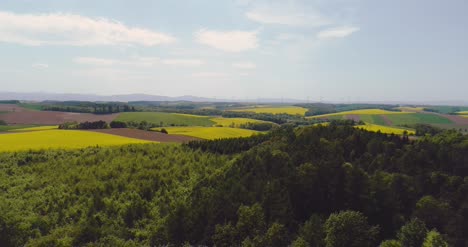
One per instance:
[(85, 125), (258, 126), (87, 107)]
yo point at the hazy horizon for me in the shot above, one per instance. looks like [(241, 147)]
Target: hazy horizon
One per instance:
[(355, 50)]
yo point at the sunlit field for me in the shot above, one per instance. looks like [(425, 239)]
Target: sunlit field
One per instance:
[(210, 133), (166, 119), (361, 112), (291, 110), (385, 129), (234, 122), (60, 139)]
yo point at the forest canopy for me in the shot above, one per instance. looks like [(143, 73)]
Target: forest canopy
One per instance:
[(311, 186)]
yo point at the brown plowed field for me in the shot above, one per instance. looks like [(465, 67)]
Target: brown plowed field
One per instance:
[(457, 119), (11, 108), (147, 135), (52, 118)]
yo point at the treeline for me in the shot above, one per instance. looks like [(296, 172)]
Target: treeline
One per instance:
[(143, 125), (13, 102), (90, 108), (85, 125), (312, 186)]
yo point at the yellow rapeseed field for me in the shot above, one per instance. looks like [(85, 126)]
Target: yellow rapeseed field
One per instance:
[(385, 129), (55, 139), (361, 112), (210, 133), (234, 122), (291, 110)]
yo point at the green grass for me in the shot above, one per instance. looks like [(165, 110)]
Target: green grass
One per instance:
[(360, 112), (372, 119), (60, 139), (14, 127), (415, 118), (37, 128), (210, 133), (167, 119), (35, 107), (234, 122)]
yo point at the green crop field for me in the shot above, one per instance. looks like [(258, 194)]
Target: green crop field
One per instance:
[(167, 119), (36, 128), (234, 122), (60, 139), (372, 119), (14, 127), (360, 112), (291, 110), (385, 129), (415, 118), (210, 133)]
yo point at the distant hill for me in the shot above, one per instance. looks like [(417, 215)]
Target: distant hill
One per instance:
[(40, 96), (94, 97)]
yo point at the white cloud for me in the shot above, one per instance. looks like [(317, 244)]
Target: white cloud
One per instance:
[(286, 14), (40, 66), (136, 62), (209, 75), (244, 65), (183, 62), (74, 30), (229, 41), (335, 33)]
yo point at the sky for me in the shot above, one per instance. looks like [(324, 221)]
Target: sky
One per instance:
[(336, 50)]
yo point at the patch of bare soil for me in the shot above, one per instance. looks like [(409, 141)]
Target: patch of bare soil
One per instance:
[(52, 118), (386, 120), (354, 117), (147, 135), (456, 119)]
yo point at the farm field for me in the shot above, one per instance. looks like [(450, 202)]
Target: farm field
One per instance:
[(28, 117), (60, 139), (36, 128), (462, 113), (291, 110), (415, 118), (236, 122), (385, 129), (210, 133), (360, 112), (411, 109), (146, 135), (167, 119), (14, 127)]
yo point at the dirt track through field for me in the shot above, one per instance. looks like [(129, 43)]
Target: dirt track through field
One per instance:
[(147, 135), (386, 120)]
